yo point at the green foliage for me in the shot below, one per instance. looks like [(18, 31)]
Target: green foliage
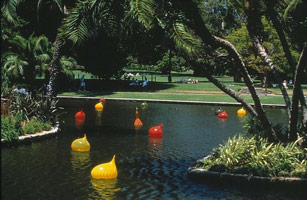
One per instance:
[(257, 157), (35, 126), (253, 127), (178, 64), (10, 127)]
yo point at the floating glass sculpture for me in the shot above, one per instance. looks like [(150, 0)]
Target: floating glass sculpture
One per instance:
[(222, 115), (241, 112), (80, 144), (80, 115), (218, 111), (99, 106), (144, 105), (105, 170), (156, 131), (102, 100), (137, 122)]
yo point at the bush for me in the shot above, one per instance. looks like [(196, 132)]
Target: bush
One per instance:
[(35, 126), (258, 158), (10, 128)]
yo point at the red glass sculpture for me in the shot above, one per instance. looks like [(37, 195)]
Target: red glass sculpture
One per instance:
[(156, 131), (222, 115)]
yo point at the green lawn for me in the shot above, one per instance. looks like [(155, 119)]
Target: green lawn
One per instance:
[(159, 88)]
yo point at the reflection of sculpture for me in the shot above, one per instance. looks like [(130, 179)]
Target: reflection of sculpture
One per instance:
[(99, 106), (218, 111), (137, 123), (223, 115), (80, 144), (105, 170), (156, 131), (144, 105), (80, 160), (98, 118), (80, 115), (106, 188), (79, 123), (241, 112)]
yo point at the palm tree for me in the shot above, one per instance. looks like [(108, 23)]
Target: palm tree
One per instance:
[(26, 57)]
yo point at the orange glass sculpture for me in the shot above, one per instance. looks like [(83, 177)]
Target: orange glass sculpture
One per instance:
[(105, 170), (99, 106), (241, 112), (156, 131), (80, 144), (137, 122), (222, 115), (80, 115)]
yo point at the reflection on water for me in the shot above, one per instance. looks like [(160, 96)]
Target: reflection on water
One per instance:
[(79, 123), (155, 147), (105, 189), (98, 118), (80, 160)]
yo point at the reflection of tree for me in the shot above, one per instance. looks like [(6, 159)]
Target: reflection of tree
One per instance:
[(105, 188), (98, 118), (155, 147)]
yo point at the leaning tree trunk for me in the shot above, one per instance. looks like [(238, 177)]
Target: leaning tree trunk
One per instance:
[(192, 12), (233, 94), (296, 93), (55, 67), (278, 27), (255, 29)]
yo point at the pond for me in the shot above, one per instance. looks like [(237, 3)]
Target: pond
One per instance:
[(147, 168)]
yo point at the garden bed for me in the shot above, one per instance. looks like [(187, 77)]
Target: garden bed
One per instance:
[(26, 139), (203, 175)]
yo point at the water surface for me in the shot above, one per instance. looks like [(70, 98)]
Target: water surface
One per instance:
[(148, 168)]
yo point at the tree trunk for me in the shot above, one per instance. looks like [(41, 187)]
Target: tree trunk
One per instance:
[(295, 98), (278, 27), (55, 67), (233, 94), (255, 29), (170, 66), (250, 85)]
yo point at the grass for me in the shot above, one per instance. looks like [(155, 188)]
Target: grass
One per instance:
[(159, 88)]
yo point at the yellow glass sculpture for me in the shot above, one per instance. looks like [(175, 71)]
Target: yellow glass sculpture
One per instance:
[(144, 105), (99, 106), (241, 112), (137, 122), (105, 170), (80, 144)]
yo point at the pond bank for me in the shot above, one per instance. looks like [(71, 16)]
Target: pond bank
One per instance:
[(167, 101)]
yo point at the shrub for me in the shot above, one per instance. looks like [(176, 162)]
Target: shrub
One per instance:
[(258, 157), (10, 128), (34, 126)]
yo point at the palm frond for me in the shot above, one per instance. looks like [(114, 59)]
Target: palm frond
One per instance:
[(76, 25), (8, 9), (185, 39), (144, 11)]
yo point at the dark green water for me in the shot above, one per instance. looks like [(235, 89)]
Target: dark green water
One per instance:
[(147, 168)]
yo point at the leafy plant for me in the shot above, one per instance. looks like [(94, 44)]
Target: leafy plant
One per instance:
[(10, 128), (258, 157), (34, 126)]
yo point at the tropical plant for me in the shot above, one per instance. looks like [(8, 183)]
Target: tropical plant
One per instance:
[(26, 57), (257, 157)]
